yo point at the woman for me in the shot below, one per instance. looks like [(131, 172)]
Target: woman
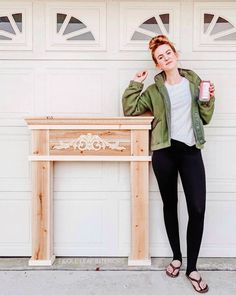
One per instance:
[(176, 142)]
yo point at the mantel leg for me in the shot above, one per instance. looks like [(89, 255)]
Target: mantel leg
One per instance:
[(42, 214), (139, 214)]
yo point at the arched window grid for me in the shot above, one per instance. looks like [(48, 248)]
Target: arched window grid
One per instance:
[(72, 28), (155, 25), (11, 26), (218, 28)]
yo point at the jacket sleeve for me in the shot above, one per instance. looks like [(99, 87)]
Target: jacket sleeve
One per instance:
[(206, 109), (134, 103)]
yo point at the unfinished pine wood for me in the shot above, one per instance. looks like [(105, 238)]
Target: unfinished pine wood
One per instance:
[(90, 142), (42, 200), (42, 211), (91, 158), (109, 121), (140, 143), (139, 199), (131, 133), (86, 127), (139, 212), (40, 142)]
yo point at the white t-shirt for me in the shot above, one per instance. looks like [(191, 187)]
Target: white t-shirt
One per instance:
[(181, 121)]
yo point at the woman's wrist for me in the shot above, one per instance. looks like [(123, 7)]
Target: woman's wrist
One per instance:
[(137, 80)]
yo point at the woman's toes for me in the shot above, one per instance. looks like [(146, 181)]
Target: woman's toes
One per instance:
[(203, 284), (195, 275)]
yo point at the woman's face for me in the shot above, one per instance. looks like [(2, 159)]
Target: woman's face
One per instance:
[(166, 58)]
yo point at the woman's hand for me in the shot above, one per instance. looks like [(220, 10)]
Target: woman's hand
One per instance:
[(212, 90), (140, 76)]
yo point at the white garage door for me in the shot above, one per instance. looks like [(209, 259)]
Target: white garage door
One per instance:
[(75, 58)]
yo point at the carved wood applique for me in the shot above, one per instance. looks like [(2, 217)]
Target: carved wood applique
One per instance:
[(88, 142)]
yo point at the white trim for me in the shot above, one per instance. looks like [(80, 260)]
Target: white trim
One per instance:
[(136, 262), (49, 262)]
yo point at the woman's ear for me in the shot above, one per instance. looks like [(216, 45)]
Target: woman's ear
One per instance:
[(157, 66)]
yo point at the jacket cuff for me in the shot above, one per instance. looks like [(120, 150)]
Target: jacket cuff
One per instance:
[(207, 103), (136, 84)]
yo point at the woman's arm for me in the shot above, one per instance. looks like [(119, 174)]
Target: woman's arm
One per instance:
[(206, 109), (134, 103)]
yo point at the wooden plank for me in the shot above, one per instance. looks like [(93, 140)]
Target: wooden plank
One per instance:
[(40, 142), (139, 198), (91, 158), (42, 211), (140, 144), (139, 211), (42, 201), (86, 127), (133, 120)]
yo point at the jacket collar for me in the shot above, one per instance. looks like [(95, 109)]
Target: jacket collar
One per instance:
[(161, 77)]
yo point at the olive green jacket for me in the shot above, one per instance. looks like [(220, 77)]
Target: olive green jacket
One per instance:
[(156, 99)]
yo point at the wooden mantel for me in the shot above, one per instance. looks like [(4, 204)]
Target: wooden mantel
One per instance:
[(88, 139)]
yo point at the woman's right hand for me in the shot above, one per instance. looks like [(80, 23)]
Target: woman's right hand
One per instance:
[(140, 76)]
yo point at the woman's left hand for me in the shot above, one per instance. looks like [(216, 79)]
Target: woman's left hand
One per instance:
[(212, 90)]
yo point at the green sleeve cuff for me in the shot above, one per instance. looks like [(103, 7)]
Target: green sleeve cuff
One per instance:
[(136, 84), (207, 103)]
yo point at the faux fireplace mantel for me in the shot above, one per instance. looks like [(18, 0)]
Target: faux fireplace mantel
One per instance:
[(88, 139)]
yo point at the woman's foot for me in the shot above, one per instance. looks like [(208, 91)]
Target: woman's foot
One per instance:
[(197, 282), (173, 268)]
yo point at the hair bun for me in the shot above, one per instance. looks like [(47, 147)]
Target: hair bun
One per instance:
[(158, 40)]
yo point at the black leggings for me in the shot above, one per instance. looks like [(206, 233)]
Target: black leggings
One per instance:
[(188, 162)]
